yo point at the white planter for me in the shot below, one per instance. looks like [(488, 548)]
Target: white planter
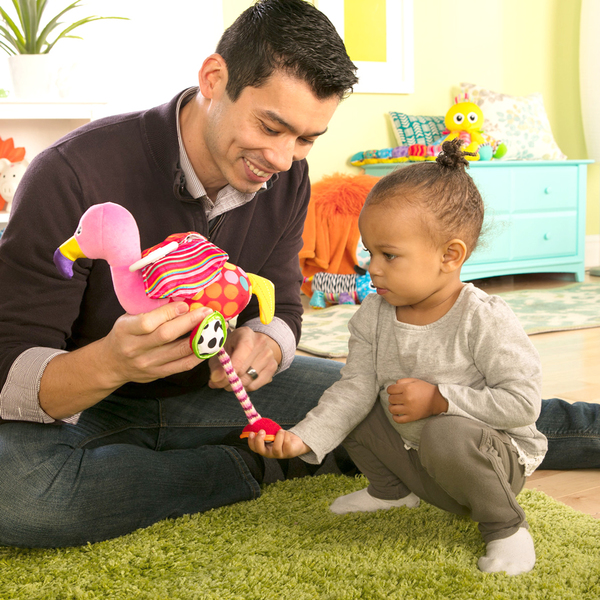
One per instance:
[(34, 76)]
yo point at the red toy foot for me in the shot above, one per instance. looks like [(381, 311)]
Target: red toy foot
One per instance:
[(270, 427)]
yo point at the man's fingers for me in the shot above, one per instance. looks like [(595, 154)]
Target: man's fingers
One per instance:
[(169, 322), (173, 352), (146, 323), (159, 362), (155, 344)]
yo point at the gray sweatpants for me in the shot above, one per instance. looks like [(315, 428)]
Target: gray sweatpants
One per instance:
[(461, 466)]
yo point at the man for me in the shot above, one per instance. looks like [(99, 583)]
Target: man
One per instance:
[(110, 423)]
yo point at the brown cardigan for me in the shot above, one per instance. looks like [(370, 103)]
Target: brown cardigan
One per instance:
[(132, 160)]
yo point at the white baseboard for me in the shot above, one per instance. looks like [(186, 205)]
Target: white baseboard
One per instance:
[(592, 251)]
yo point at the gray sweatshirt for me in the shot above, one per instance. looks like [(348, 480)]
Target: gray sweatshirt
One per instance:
[(477, 354)]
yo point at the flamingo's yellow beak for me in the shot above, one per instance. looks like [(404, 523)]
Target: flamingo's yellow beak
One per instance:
[(66, 255)]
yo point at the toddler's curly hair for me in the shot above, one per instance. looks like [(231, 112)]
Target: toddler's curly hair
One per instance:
[(444, 188)]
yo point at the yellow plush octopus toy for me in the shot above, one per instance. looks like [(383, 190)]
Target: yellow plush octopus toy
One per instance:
[(464, 120)]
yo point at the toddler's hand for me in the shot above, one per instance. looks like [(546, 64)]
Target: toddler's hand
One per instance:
[(285, 445), (415, 399)]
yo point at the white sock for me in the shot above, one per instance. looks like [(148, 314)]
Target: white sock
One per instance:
[(362, 501), (514, 554)]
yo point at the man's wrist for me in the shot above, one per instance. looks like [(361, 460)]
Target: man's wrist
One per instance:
[(275, 348), (281, 334)]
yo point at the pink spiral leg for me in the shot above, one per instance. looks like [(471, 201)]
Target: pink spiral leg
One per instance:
[(238, 388)]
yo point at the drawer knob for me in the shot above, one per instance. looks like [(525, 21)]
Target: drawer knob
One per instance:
[(547, 236), (548, 190)]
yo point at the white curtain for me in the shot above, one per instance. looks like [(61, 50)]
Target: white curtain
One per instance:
[(589, 75)]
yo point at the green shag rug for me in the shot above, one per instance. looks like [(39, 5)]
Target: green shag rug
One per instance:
[(288, 545), (574, 306)]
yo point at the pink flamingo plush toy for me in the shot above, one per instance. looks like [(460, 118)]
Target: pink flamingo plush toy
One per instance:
[(185, 267)]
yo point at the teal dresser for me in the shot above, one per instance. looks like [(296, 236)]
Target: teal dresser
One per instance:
[(535, 217)]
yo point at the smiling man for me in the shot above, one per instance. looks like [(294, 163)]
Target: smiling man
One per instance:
[(262, 133), (109, 422)]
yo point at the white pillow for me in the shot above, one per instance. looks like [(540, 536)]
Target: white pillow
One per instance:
[(518, 121)]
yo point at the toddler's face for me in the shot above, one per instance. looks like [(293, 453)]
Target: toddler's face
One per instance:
[(405, 259)]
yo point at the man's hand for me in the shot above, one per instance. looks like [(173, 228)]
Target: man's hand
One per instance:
[(152, 345), (247, 348), (138, 348), (285, 445), (415, 399)]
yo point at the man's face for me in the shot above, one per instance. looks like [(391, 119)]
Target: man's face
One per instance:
[(263, 132)]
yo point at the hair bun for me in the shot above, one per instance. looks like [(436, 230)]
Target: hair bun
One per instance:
[(451, 156)]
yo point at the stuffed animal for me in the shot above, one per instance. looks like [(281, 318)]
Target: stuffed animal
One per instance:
[(333, 260), (464, 120), (399, 154), (9, 154), (185, 267), (331, 237), (330, 288), (10, 177)]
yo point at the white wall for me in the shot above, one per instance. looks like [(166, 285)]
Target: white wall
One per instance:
[(142, 62), (147, 60)]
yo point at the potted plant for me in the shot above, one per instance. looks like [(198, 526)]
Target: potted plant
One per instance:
[(28, 41)]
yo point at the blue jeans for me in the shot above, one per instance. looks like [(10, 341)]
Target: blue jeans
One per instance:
[(573, 432), (129, 463)]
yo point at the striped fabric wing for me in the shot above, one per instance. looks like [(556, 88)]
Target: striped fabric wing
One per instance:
[(186, 270)]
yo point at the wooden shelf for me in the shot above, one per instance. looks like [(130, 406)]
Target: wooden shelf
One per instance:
[(35, 125), (60, 109), (51, 120)]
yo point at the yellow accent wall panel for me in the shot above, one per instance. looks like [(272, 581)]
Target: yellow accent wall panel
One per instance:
[(365, 30)]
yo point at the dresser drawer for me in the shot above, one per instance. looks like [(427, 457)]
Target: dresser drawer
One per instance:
[(496, 189), (544, 236), (544, 190)]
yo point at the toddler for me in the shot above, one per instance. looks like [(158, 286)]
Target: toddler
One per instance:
[(442, 387)]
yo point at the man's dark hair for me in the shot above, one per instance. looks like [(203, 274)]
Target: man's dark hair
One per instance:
[(291, 36)]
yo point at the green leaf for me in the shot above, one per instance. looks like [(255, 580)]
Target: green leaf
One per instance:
[(11, 40), (15, 30), (26, 21), (7, 48), (40, 6), (52, 24), (27, 39), (63, 34), (17, 5), (34, 24)]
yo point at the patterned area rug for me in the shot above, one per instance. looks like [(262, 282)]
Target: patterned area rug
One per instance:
[(575, 306)]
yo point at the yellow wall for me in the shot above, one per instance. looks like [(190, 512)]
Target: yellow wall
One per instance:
[(512, 46)]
